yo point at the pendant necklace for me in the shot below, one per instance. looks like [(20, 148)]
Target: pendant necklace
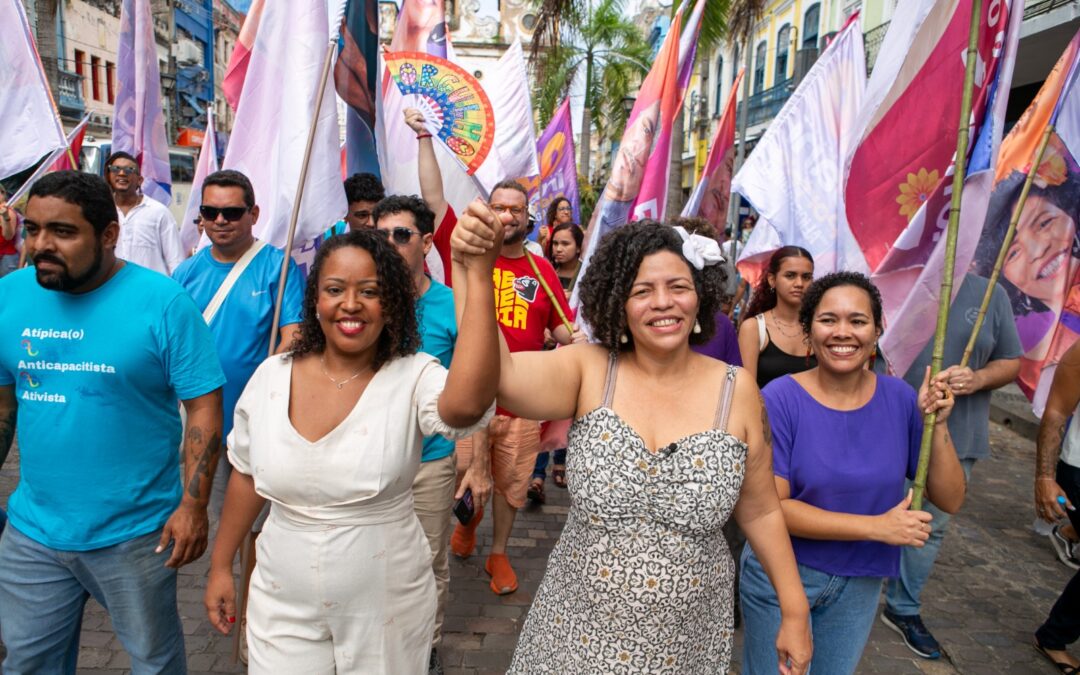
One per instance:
[(342, 383)]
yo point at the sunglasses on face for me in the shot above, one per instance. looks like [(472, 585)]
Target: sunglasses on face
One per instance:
[(231, 213), (123, 170), (400, 235)]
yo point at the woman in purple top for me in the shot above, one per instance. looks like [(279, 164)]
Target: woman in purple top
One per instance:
[(844, 439)]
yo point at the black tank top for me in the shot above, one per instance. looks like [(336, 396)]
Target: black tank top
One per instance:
[(774, 362)]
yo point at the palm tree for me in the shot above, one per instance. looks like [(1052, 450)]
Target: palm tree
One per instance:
[(610, 49)]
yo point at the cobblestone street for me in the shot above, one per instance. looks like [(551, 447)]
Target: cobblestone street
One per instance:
[(993, 584)]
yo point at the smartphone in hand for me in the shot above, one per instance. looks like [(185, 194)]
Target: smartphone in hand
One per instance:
[(464, 508)]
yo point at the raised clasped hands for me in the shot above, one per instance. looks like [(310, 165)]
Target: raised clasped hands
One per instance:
[(477, 238), (936, 396)]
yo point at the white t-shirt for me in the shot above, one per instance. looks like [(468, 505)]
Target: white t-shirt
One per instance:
[(149, 237)]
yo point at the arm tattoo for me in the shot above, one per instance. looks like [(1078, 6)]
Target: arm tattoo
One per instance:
[(7, 432), (1048, 445), (203, 454), (766, 429)]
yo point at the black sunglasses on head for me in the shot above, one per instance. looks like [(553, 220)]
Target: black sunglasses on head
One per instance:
[(231, 213), (401, 235)]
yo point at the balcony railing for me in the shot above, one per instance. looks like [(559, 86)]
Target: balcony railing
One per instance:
[(1044, 7), (872, 40), (70, 93), (764, 105)]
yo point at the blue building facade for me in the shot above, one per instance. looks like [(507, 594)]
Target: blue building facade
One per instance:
[(193, 50)]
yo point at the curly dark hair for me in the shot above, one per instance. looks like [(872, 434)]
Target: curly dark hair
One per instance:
[(89, 192), (1002, 202), (364, 187), (764, 297), (423, 217), (605, 287), (553, 210), (812, 297), (400, 335)]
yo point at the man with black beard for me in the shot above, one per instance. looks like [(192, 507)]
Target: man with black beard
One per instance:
[(94, 355)]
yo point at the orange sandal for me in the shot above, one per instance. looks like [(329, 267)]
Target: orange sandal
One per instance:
[(503, 579)]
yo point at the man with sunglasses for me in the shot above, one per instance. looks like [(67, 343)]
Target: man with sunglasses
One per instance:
[(528, 300), (241, 324), (148, 233), (364, 191), (409, 224)]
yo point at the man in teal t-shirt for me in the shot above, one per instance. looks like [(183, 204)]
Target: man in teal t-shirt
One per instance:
[(241, 326), (95, 354), (364, 191), (409, 225)]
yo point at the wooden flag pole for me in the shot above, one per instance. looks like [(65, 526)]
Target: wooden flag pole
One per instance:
[(327, 61), (247, 553), (1036, 160), (930, 419)]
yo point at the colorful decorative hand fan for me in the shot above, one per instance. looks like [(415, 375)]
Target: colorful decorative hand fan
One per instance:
[(450, 98)]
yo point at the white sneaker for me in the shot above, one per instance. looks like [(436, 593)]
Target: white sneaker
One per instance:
[(1065, 549)]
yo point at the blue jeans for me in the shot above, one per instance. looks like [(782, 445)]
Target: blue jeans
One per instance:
[(902, 595), (43, 592), (842, 611), (540, 470)]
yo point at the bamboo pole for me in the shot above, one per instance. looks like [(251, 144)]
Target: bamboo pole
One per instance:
[(247, 553), (1036, 160), (740, 151), (300, 194), (930, 419)]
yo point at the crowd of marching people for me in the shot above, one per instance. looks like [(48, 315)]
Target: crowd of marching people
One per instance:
[(732, 455)]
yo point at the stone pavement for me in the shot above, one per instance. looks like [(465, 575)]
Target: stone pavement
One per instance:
[(993, 584)]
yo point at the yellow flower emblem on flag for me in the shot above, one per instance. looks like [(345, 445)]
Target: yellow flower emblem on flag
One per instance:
[(916, 190)]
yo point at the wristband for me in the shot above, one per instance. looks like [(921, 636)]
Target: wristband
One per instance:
[(419, 136)]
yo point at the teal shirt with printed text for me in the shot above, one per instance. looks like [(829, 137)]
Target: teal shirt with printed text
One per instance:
[(98, 378)]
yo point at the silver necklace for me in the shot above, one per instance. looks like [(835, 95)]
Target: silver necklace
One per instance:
[(341, 384), (780, 327)]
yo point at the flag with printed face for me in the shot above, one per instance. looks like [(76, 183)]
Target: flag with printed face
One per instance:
[(558, 166), (619, 203), (900, 176), (138, 117), (28, 121), (793, 178), (276, 109), (208, 164), (1041, 270)]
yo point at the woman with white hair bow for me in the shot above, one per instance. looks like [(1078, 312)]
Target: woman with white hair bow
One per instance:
[(666, 444)]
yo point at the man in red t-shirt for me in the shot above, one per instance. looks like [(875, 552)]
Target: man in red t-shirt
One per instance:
[(506, 452)]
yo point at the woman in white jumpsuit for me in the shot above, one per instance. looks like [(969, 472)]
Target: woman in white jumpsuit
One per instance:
[(331, 435)]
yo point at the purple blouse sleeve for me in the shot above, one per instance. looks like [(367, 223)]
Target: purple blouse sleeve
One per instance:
[(781, 426)]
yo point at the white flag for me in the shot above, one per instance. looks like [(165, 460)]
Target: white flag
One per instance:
[(794, 176), (29, 128), (208, 164), (273, 118)]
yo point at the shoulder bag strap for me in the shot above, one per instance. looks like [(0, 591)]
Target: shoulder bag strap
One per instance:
[(223, 291)]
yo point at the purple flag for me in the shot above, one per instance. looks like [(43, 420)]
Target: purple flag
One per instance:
[(558, 168), (139, 117)]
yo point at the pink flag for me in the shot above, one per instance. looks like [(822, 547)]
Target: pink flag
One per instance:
[(909, 128), (138, 117), (651, 199), (233, 82), (712, 194), (208, 164)]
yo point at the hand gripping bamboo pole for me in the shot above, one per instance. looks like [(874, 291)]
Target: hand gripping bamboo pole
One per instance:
[(1036, 160), (930, 419)]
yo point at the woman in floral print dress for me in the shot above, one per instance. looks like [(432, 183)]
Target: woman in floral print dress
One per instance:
[(666, 445)]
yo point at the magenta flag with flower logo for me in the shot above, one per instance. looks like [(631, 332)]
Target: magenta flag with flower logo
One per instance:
[(558, 166), (139, 117)]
